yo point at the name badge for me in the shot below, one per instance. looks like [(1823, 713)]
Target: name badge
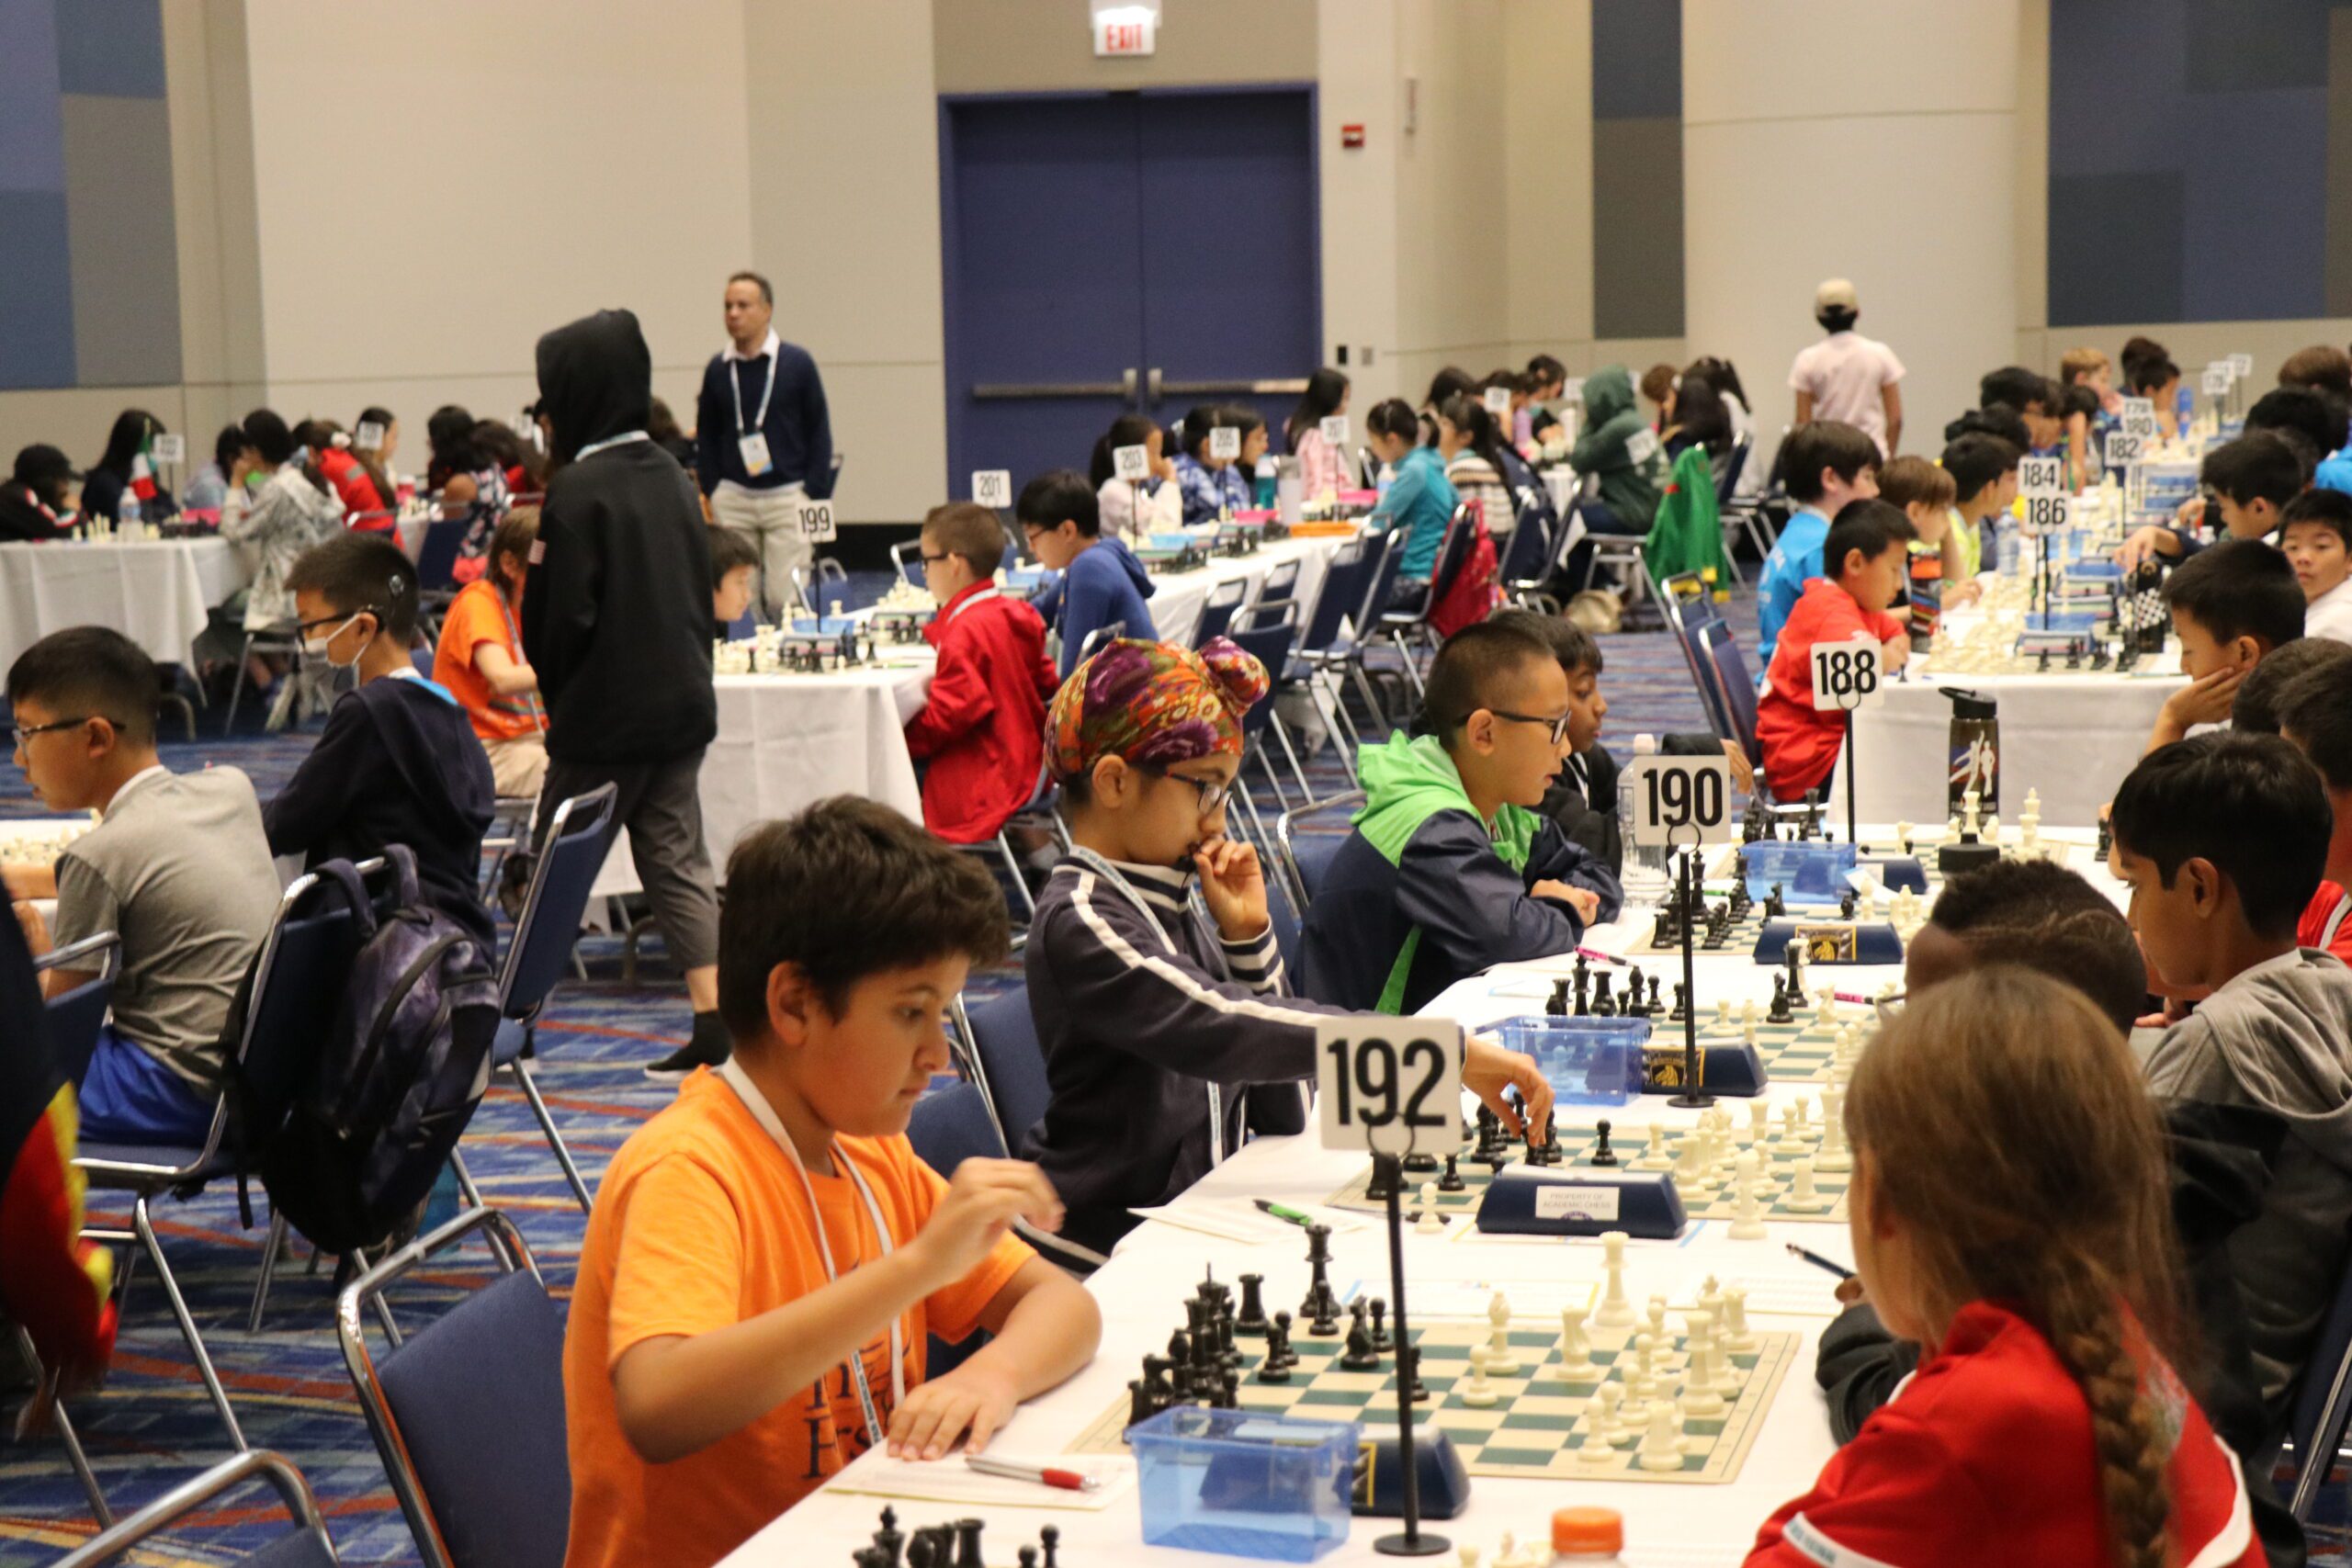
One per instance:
[(754, 448)]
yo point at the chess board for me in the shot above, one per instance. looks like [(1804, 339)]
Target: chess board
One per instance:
[(1741, 936), (1537, 1428), (2014, 662), (1631, 1142)]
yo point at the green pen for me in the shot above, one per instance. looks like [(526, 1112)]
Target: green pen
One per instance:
[(1280, 1212)]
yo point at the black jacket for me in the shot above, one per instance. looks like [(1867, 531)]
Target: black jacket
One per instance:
[(397, 763), (102, 495), (1590, 819), (22, 517), (617, 619), (1135, 1032), (2220, 1164)]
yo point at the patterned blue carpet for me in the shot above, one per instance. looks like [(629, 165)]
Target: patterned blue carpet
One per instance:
[(151, 1427)]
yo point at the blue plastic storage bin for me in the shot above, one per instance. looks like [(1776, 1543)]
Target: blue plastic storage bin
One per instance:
[(1588, 1061), (1245, 1483), (1808, 871)]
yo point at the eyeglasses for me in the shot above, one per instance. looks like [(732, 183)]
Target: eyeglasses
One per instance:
[(304, 628), (1558, 727), (1213, 793), (23, 733), (933, 560)]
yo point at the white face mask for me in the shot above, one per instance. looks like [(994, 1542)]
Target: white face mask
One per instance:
[(316, 647)]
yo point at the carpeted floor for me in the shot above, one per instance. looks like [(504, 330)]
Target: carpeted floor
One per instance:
[(151, 1427)]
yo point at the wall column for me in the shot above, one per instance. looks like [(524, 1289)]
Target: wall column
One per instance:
[(1881, 146)]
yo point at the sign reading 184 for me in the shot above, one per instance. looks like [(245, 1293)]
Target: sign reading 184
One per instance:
[(1389, 1085)]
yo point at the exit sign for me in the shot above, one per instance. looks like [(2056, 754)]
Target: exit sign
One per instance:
[(1125, 29)]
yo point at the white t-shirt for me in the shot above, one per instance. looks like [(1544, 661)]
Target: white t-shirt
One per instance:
[(2330, 615), (1847, 373)]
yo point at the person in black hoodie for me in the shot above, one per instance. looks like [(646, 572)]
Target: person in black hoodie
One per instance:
[(398, 762), (619, 626), (32, 503)]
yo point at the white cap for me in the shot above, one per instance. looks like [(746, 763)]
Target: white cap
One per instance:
[(1644, 745), (1834, 294)]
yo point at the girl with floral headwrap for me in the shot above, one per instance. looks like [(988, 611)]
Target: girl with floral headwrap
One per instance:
[(1165, 1039)]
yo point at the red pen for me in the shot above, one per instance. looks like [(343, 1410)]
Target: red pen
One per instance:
[(1045, 1475)]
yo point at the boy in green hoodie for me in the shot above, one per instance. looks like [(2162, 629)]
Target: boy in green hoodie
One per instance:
[(1621, 449), (1450, 868)]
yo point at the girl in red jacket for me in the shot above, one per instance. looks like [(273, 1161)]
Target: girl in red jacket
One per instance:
[(2009, 1213), (983, 729)]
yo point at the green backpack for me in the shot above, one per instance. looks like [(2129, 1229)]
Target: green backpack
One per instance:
[(1688, 534)]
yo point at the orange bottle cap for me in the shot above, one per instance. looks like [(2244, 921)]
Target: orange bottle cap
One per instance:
[(1587, 1530)]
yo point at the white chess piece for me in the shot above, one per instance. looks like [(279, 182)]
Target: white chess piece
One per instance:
[(1478, 1394), (1662, 1440), (1789, 1141), (1611, 1398), (1747, 1035), (1594, 1447), (1657, 1320), (1747, 1219), (1615, 1311), (1499, 1360), (1902, 834), (1737, 1337), (1575, 1349), (1722, 1013), (1804, 1197), (1760, 1123), (1834, 1156), (1430, 1222), (1699, 1397), (1468, 1556), (1654, 1156)]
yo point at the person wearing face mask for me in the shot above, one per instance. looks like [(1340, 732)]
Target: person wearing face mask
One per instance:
[(398, 762)]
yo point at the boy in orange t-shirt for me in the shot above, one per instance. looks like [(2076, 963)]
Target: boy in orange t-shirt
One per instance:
[(1865, 556), (773, 1228), (479, 660)]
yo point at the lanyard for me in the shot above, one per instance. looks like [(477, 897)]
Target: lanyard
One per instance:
[(764, 1114), (735, 384), (515, 641), (596, 447), (1110, 873)]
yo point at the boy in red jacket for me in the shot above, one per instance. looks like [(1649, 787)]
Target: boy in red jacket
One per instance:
[(983, 729), (1863, 555)]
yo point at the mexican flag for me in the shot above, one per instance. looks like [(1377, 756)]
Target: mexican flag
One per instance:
[(142, 476)]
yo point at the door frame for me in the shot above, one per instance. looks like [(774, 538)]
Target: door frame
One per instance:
[(952, 356)]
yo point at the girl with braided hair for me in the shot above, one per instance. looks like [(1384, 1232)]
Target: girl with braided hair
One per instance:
[(2009, 1213)]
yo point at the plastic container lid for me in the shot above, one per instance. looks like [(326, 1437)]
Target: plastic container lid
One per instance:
[(1588, 1530), (1972, 704), (1644, 745)]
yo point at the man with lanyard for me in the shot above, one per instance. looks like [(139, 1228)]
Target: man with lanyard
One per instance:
[(763, 441)]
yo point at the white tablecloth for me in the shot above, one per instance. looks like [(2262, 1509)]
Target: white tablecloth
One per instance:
[(1176, 598), (154, 591), (785, 741), (2071, 738)]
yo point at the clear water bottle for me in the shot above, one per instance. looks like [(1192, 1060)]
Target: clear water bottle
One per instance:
[(2005, 549), (1644, 876)]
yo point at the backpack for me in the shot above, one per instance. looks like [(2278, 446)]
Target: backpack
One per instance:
[(375, 1115), (1470, 595), (1687, 533)]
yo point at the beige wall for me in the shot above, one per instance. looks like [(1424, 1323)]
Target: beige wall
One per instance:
[(1009, 46), (426, 211), (1356, 49), (1453, 276), (1547, 178)]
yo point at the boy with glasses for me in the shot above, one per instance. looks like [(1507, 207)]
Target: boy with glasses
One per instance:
[(1166, 1041), (1452, 867), (177, 867)]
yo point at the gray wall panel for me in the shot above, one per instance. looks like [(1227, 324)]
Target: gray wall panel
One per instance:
[(125, 247), (1637, 228)]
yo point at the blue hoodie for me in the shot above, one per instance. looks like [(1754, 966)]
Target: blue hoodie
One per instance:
[(1105, 583)]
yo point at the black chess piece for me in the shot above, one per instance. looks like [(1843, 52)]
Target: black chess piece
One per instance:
[(1383, 1185), (1452, 1180), (1603, 1155), (1275, 1367), (1320, 1308), (1681, 1004), (1780, 1013), (919, 1551), (1793, 957), (1380, 1339), (890, 1540), (1551, 1146), (1252, 1318), (1359, 1356), (1026, 1557), (1408, 1375), (1419, 1162), (1139, 1408), (1584, 984), (1775, 906), (968, 1543), (1629, 1005), (1488, 1125), (1603, 1004), (1557, 1007), (1050, 1537), (1846, 905)]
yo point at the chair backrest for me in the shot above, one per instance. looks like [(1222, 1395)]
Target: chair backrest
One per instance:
[(2323, 1404), (1269, 644), (420, 661), (468, 1414), (305, 1546), (1525, 553), (1387, 560), (952, 1126), (907, 556), (1453, 553), (297, 983), (1005, 1038), (1216, 612), (1280, 584), (1341, 595), (577, 842), (1688, 600), (1307, 854), (72, 1018), (1733, 465), (436, 556), (1735, 688), (1104, 633), (1703, 675)]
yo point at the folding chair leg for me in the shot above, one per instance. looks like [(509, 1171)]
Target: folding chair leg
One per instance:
[(73, 1441), (269, 1250), (555, 1140), (1012, 869), (1376, 710), (1331, 702), (1257, 753), (1250, 806), (237, 687), (1282, 733), (144, 1224)]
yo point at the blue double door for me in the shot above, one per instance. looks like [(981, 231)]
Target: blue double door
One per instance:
[(1125, 253)]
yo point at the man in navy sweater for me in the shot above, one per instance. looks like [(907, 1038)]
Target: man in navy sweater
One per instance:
[(1101, 583), (763, 439)]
